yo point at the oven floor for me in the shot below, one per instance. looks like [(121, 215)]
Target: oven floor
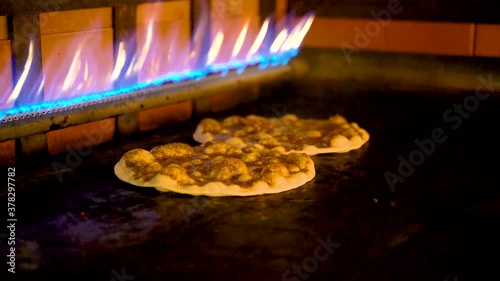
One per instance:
[(441, 223)]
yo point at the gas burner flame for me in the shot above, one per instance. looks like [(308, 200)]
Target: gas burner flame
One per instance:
[(208, 52)]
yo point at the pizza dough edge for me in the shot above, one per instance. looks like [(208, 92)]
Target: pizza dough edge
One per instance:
[(312, 150), (126, 174)]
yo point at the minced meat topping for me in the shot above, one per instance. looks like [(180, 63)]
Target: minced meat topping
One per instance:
[(289, 131), (215, 161)]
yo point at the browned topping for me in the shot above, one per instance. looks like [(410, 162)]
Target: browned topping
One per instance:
[(300, 160), (256, 120), (240, 133), (337, 119), (211, 125), (172, 150), (222, 148), (272, 154), (251, 148), (228, 168), (232, 121), (262, 135), (138, 157), (272, 172), (250, 157), (269, 142), (276, 169), (289, 131), (313, 134), (196, 162), (214, 161), (147, 171), (293, 168), (244, 178), (290, 117), (177, 173)]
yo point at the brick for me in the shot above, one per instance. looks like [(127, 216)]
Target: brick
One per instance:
[(230, 100), (344, 33), (171, 30), (58, 53), (169, 38), (231, 28), (398, 36), (124, 27), (127, 124), (155, 118), (230, 18), (225, 101), (26, 32), (7, 153), (226, 9), (34, 145), (3, 28), (281, 9), (487, 41), (75, 21), (163, 11), (80, 136), (430, 38), (67, 34), (5, 73), (203, 105)]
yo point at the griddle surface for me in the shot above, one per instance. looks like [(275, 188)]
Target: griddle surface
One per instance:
[(439, 224)]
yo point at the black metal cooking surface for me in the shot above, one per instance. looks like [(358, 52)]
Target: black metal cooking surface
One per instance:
[(440, 223)]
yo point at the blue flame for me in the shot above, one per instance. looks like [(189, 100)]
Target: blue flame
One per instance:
[(263, 62), (270, 55)]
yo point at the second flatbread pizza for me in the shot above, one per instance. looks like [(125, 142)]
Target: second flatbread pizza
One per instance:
[(287, 134), (215, 169)]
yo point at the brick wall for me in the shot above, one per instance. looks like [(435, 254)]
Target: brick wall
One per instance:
[(5, 64), (487, 40), (459, 28), (437, 38), (88, 32)]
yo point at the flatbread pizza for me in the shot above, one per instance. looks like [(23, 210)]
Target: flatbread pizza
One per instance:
[(287, 134), (215, 169)]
